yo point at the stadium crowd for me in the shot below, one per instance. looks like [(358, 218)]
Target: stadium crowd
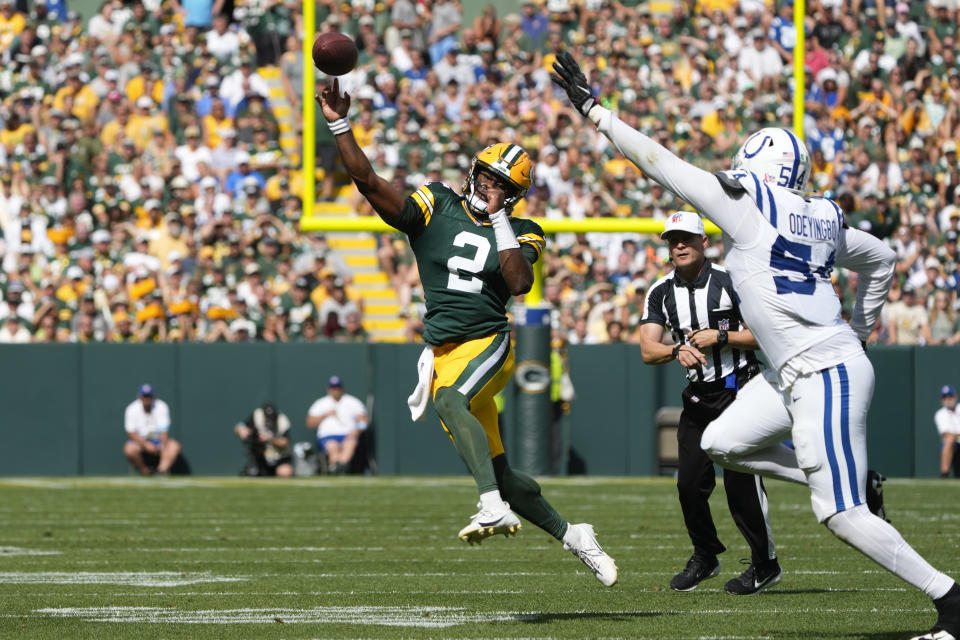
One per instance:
[(144, 194)]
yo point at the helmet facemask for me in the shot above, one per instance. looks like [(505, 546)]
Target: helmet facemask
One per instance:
[(476, 203), (509, 165)]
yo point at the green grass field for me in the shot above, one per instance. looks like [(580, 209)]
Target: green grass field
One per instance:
[(379, 558)]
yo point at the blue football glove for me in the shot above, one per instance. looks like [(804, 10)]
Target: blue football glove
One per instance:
[(568, 75)]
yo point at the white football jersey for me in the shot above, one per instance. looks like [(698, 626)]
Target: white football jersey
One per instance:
[(783, 275), (780, 250)]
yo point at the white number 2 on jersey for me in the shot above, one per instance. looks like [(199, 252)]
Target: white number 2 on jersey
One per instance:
[(474, 265)]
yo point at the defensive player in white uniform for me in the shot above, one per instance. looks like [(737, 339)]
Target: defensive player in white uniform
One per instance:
[(780, 250)]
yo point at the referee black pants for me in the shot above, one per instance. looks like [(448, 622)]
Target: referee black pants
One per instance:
[(696, 480)]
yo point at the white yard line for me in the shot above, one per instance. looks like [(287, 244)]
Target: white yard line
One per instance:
[(137, 579), (402, 616), (20, 551)]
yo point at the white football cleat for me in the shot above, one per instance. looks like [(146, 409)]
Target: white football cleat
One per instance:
[(939, 634), (488, 523), (586, 547)]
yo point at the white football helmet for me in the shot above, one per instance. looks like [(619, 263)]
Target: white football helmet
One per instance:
[(777, 156)]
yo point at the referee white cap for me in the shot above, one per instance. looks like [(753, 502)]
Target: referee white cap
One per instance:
[(688, 221)]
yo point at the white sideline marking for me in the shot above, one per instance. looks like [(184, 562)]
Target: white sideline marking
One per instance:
[(406, 616), (20, 551), (411, 616), (133, 579)]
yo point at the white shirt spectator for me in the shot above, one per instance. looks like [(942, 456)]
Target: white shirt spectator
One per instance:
[(460, 70), (401, 60), (191, 158), (350, 415), (910, 29), (342, 309), (862, 61), (25, 311), (104, 27), (136, 259), (224, 45), (947, 420), (732, 42), (759, 63), (232, 90), (150, 425), (17, 334)]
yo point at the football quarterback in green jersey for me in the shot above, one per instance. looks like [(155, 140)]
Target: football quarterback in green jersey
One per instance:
[(472, 256)]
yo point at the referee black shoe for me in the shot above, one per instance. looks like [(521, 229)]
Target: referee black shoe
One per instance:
[(699, 567), (755, 579), (875, 494)]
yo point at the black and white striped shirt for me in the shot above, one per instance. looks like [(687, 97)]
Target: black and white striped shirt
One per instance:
[(707, 303)]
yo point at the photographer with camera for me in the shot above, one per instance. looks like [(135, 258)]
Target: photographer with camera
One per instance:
[(264, 433)]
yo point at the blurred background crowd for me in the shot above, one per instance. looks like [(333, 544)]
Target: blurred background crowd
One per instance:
[(150, 162)]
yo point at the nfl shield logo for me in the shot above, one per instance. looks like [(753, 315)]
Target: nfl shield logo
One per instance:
[(724, 325)]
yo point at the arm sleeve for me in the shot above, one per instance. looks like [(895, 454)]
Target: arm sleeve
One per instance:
[(874, 263), (316, 408), (698, 187), (128, 425)]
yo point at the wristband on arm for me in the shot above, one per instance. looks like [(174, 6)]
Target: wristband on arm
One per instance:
[(506, 238), (339, 126)]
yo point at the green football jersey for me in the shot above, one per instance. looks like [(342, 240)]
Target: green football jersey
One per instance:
[(466, 295)]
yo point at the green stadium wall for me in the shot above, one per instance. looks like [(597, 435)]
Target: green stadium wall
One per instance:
[(63, 404)]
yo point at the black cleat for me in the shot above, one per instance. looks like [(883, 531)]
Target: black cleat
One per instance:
[(875, 494), (755, 579), (948, 617), (699, 568)]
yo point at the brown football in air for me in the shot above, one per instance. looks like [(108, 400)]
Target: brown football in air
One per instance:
[(334, 53)]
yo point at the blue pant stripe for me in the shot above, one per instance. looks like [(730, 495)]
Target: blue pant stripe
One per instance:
[(845, 433), (828, 439)]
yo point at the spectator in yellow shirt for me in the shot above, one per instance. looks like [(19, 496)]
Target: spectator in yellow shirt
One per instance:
[(215, 123), (11, 24), (12, 134), (284, 182), (145, 120), (145, 84), (84, 99), (116, 129)]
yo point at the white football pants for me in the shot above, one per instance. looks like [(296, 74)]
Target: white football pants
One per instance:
[(825, 413), (828, 413)]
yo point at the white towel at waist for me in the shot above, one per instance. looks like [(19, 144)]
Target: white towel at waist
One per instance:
[(421, 394)]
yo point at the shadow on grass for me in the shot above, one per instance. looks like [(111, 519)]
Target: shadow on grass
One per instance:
[(540, 617), (794, 592), (876, 635)]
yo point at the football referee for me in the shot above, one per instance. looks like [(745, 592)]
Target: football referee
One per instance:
[(697, 302)]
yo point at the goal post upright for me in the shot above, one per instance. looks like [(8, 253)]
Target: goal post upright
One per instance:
[(308, 139), (799, 76)]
